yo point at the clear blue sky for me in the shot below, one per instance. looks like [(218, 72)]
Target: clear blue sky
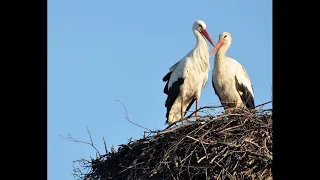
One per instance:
[(101, 51)]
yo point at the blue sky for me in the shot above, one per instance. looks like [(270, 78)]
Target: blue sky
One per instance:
[(101, 51)]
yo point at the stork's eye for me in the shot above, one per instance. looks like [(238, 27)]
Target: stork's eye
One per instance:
[(225, 36), (200, 26)]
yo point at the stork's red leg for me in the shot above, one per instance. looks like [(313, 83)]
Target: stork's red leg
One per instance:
[(196, 109), (182, 113)]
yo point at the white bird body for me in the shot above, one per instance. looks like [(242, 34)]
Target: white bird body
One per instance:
[(187, 78), (230, 80), (195, 75)]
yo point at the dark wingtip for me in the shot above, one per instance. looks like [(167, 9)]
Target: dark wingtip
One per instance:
[(250, 102), (247, 97), (172, 93), (166, 77), (165, 89)]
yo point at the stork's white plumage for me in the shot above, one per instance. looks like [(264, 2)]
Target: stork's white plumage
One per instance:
[(230, 80), (187, 77)]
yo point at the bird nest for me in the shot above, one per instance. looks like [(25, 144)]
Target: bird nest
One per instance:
[(234, 145)]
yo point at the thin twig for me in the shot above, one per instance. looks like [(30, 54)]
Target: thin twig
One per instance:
[(172, 129), (105, 145), (263, 104), (127, 118), (70, 138), (204, 107)]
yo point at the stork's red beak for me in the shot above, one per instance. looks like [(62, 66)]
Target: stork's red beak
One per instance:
[(205, 33), (216, 47)]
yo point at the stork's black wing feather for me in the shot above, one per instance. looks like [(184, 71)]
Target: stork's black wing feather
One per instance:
[(167, 77), (164, 79), (246, 96), (173, 93)]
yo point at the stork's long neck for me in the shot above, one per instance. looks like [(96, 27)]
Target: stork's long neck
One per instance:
[(220, 56), (201, 48), (201, 42), (201, 53)]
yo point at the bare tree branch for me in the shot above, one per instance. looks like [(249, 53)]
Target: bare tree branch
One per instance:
[(70, 138), (127, 118)]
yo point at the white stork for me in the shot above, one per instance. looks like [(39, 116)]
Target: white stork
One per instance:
[(187, 77), (230, 80)]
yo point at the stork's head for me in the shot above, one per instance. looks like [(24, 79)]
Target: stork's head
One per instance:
[(224, 38), (201, 27)]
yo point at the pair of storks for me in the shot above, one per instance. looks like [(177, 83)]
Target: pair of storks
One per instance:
[(187, 78)]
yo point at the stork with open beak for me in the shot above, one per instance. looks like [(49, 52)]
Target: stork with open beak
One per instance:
[(230, 80), (186, 78)]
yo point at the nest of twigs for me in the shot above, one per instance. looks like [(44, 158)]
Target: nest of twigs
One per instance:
[(237, 145)]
